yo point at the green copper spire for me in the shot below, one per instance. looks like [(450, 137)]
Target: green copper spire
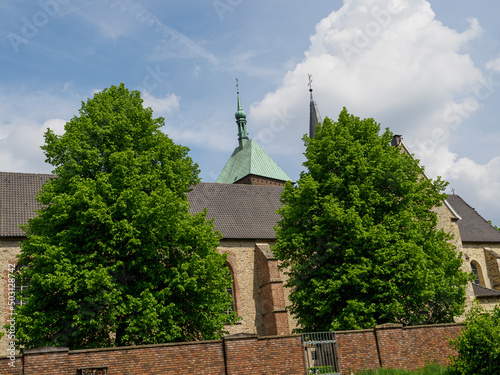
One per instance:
[(241, 120)]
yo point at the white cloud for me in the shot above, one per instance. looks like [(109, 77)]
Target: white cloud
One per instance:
[(395, 62), (24, 117), (493, 65), (165, 105), (55, 124)]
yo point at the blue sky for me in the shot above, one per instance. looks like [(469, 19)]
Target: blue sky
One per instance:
[(429, 70)]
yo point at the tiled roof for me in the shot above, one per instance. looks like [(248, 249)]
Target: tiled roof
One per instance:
[(481, 291), (472, 226), (251, 159), (240, 211), (17, 200)]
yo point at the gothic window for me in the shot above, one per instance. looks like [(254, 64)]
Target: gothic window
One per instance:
[(18, 287), (476, 270), (231, 291)]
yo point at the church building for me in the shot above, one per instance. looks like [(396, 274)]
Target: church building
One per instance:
[(243, 203)]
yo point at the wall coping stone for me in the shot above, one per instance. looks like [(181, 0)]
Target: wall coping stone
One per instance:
[(116, 348), (347, 331), (241, 336), (278, 337), (435, 325), (389, 326), (46, 349), (400, 327)]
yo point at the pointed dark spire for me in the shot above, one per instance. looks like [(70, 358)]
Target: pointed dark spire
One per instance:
[(241, 119), (314, 116)]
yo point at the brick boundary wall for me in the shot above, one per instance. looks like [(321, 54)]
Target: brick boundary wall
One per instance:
[(395, 346), (384, 346)]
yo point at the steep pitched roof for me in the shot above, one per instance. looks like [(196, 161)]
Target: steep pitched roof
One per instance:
[(250, 159), (17, 200), (240, 211), (473, 227)]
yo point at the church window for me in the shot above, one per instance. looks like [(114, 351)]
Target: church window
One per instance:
[(476, 270), (18, 287), (231, 291)]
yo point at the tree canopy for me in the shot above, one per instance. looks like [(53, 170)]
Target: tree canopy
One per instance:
[(358, 235), (114, 257)]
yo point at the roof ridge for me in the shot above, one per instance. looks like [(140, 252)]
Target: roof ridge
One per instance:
[(27, 173)]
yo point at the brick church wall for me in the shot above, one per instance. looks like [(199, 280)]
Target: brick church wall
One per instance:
[(9, 248)]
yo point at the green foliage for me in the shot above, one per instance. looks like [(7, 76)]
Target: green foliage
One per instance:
[(431, 369), (114, 257), (358, 235), (478, 345)]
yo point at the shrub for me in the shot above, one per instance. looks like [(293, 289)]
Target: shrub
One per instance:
[(478, 345)]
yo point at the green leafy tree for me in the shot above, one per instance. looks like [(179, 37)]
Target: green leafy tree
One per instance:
[(358, 235), (478, 346), (114, 257)]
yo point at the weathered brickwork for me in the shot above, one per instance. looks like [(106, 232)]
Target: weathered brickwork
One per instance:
[(272, 292), (169, 359), (272, 355), (389, 346), (242, 259), (9, 249), (11, 368), (259, 180), (396, 347), (261, 298), (357, 350)]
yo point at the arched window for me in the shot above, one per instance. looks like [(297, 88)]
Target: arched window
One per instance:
[(18, 287), (476, 270), (231, 290)]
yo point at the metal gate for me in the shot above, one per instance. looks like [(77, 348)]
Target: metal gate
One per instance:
[(320, 351)]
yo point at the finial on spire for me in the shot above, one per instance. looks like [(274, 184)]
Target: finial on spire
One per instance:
[(241, 121), (310, 81)]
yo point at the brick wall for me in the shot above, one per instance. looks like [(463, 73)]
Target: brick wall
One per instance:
[(387, 345), (395, 346), (269, 355)]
